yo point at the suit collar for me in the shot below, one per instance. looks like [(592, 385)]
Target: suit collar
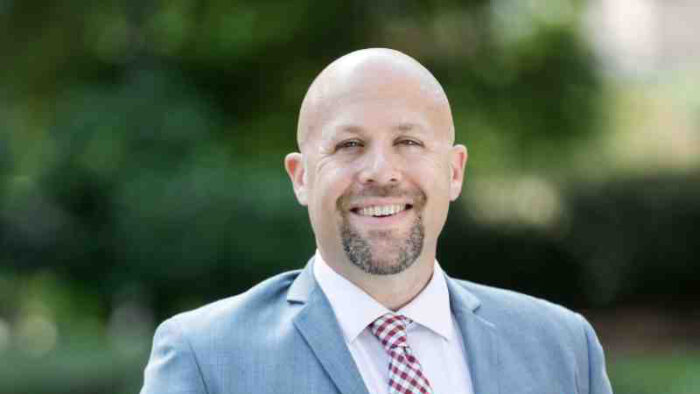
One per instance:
[(317, 324), (303, 285), (480, 338), (355, 309)]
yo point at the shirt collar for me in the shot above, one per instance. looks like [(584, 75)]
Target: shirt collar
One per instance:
[(431, 307), (355, 310)]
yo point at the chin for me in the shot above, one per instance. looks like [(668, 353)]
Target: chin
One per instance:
[(383, 253), (391, 265)]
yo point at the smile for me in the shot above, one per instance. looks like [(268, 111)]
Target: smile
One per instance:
[(381, 210)]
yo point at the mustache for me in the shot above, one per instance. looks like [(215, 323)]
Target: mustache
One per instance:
[(415, 195)]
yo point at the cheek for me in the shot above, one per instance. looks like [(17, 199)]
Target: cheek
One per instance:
[(433, 176), (331, 182)]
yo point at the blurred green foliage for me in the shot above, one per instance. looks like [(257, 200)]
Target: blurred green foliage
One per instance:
[(145, 136), (647, 374), (101, 368), (141, 147)]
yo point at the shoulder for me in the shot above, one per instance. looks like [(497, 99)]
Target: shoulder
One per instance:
[(518, 312), (557, 342), (189, 348), (265, 302)]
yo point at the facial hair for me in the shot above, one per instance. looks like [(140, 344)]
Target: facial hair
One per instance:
[(358, 249)]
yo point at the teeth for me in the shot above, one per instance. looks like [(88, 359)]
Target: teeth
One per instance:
[(381, 210)]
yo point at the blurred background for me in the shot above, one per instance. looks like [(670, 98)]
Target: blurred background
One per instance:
[(141, 147)]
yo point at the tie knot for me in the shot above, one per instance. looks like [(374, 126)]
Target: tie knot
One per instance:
[(390, 329)]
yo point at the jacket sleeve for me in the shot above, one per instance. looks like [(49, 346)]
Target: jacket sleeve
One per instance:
[(172, 367), (598, 382)]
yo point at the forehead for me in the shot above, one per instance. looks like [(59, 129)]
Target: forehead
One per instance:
[(371, 115), (377, 102), (369, 81)]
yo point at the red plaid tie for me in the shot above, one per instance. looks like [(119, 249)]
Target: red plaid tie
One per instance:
[(405, 372)]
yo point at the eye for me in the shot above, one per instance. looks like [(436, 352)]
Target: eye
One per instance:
[(349, 144), (408, 142)]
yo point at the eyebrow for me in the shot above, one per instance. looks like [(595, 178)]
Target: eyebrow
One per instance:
[(409, 127), (352, 129), (403, 127)]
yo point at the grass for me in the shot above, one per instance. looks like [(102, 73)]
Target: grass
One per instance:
[(99, 368), (674, 373)]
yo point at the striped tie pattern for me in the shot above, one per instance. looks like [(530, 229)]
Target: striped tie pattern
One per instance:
[(405, 372)]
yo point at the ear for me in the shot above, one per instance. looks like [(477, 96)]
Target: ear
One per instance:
[(458, 162), (294, 164)]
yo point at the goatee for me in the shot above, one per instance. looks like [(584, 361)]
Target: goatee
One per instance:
[(358, 249)]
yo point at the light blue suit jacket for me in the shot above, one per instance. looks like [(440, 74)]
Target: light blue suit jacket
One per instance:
[(281, 336)]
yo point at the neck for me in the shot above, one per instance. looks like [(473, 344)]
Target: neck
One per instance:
[(393, 291)]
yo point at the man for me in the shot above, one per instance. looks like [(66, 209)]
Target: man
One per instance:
[(373, 312)]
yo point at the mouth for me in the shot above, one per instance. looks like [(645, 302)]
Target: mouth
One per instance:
[(381, 211)]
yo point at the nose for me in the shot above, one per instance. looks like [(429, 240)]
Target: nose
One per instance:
[(380, 166)]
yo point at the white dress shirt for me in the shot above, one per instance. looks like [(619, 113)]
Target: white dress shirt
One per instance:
[(433, 336)]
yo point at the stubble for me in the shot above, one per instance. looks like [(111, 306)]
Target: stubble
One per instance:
[(405, 250)]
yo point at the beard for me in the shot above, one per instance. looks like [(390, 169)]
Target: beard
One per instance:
[(403, 251)]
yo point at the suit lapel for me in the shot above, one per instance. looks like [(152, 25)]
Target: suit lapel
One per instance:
[(317, 324), (480, 340)]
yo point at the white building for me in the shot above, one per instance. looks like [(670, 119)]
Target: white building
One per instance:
[(641, 36)]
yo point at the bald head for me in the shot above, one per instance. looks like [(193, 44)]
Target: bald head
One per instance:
[(367, 73)]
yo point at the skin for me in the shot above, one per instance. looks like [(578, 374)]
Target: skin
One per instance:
[(375, 129)]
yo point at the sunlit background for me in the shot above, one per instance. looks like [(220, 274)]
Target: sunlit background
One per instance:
[(141, 147)]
